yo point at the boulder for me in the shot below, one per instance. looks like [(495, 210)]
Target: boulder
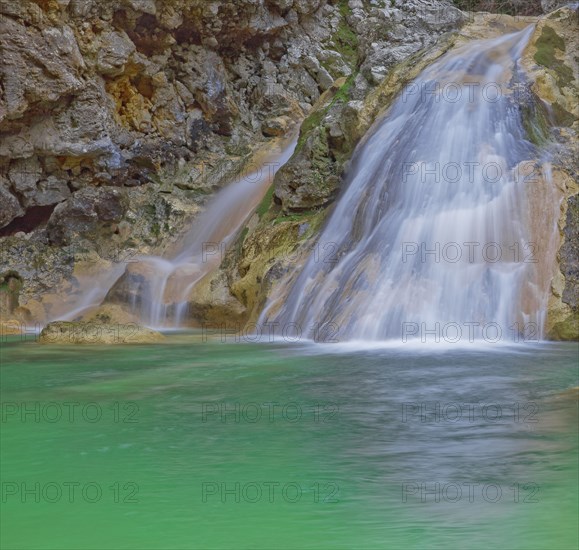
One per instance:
[(11, 327), (275, 127), (114, 52), (63, 332)]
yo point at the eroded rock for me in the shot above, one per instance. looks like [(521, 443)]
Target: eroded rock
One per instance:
[(551, 63), (84, 212), (64, 333)]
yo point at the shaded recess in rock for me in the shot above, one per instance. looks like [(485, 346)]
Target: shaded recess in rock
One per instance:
[(34, 218)]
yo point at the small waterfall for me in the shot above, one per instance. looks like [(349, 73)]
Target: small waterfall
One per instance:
[(163, 300), (433, 227), (159, 294)]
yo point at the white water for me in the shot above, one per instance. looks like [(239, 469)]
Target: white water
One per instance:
[(441, 173)]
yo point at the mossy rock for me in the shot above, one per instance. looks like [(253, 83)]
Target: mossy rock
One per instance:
[(548, 45), (567, 330), (345, 40), (64, 332)]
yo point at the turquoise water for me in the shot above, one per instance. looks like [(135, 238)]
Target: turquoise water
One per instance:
[(152, 453)]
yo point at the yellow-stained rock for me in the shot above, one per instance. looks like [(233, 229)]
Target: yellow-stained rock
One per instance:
[(551, 63), (11, 327)]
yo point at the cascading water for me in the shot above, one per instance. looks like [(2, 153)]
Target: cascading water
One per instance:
[(162, 300), (159, 294), (432, 229)]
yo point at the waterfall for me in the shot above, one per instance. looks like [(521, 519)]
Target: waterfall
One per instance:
[(159, 294), (162, 300), (432, 231)]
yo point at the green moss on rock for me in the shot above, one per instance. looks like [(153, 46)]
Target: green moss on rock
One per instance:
[(345, 39), (567, 330), (266, 202), (562, 116), (536, 121), (547, 46)]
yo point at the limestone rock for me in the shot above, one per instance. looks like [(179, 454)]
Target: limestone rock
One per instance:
[(110, 314), (309, 179), (11, 327), (275, 127), (114, 52), (133, 285), (24, 174), (84, 212), (50, 191), (39, 67), (566, 330), (10, 286), (551, 5), (10, 206), (211, 303), (63, 333), (550, 62), (569, 254)]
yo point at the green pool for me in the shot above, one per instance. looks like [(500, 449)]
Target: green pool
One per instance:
[(210, 445)]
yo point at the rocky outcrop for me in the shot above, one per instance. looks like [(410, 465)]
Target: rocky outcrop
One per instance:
[(552, 65), (119, 92), (381, 39), (551, 5), (61, 332)]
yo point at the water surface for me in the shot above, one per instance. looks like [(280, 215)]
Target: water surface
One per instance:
[(347, 459)]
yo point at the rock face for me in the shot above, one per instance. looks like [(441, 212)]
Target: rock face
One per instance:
[(61, 332), (380, 39), (10, 286), (551, 63), (569, 254), (551, 5)]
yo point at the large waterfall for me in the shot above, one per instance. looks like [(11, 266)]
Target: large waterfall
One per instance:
[(432, 235)]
